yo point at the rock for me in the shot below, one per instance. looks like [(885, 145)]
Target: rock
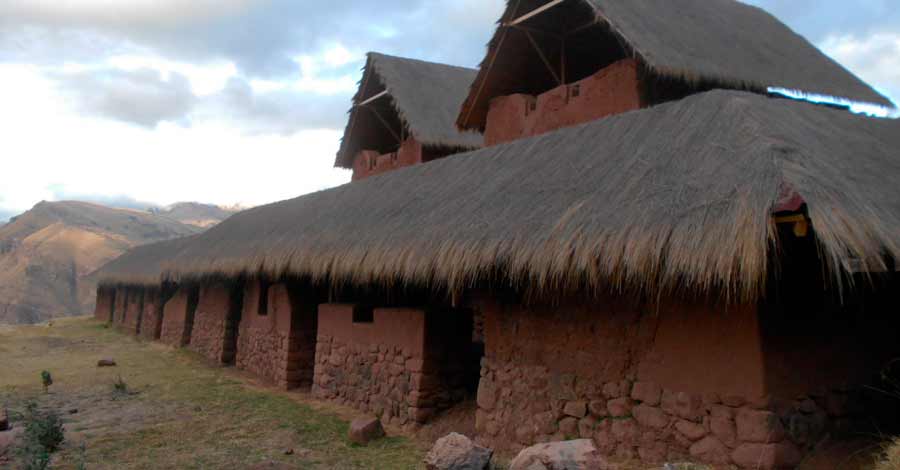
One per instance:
[(568, 426), (650, 417), (365, 430), (73, 411), (758, 426), (647, 392), (457, 452), (577, 409), (783, 455), (7, 442), (598, 408), (692, 431), (106, 363), (4, 420), (619, 408), (580, 454), (710, 450)]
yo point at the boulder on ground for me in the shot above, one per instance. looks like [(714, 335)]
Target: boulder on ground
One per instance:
[(7, 443), (106, 363), (579, 454), (365, 430), (457, 452)]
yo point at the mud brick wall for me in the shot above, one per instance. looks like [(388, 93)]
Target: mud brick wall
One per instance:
[(121, 301), (152, 316), (178, 318), (106, 299), (369, 163), (279, 345), (612, 90), (215, 323), (134, 307), (378, 367)]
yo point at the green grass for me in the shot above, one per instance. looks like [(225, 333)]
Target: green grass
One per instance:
[(178, 412)]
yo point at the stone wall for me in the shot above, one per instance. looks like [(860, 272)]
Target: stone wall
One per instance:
[(152, 316), (134, 307), (216, 319), (279, 343), (383, 367), (121, 300), (369, 163), (106, 299), (613, 90), (178, 318)]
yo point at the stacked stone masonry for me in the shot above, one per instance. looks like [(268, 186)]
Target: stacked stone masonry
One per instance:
[(215, 324), (613, 90), (178, 319), (278, 345), (151, 318)]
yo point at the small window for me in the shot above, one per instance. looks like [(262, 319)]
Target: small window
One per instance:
[(363, 314), (576, 91), (263, 301)]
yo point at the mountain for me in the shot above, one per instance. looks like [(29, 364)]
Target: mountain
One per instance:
[(47, 254), (196, 214)]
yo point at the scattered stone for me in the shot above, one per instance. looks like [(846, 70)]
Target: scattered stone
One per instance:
[(73, 411), (4, 420), (365, 430), (457, 452), (106, 363), (7, 443), (289, 452), (580, 454)]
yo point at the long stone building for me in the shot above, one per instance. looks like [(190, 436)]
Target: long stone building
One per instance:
[(652, 250)]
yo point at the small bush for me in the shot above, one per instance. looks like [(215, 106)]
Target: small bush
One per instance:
[(44, 434), (46, 380), (120, 388)]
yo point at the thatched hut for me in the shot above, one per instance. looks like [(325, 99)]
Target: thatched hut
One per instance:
[(689, 273), (558, 63), (404, 113)]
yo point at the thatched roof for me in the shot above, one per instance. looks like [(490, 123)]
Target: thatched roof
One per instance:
[(676, 196), (426, 96), (717, 43)]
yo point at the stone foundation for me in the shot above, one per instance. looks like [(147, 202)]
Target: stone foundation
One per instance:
[(216, 321), (134, 307), (152, 316), (277, 338), (106, 298), (385, 366), (178, 318), (613, 90)]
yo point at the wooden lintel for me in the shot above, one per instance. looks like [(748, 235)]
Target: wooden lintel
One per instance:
[(535, 12), (370, 100)]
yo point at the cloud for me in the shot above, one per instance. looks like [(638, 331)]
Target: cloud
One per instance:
[(818, 19), (122, 201), (875, 58), (141, 97)]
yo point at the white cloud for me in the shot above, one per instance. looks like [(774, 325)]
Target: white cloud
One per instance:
[(205, 79), (875, 58)]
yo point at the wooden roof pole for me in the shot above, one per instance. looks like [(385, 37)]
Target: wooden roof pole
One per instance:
[(535, 12), (386, 125), (543, 57)]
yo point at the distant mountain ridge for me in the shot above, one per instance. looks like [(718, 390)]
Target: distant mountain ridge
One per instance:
[(48, 253), (195, 213)]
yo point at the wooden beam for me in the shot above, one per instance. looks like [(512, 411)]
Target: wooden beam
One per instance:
[(369, 100), (535, 12), (547, 63), (386, 125)]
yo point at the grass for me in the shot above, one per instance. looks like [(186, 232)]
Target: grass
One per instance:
[(891, 458), (177, 411)]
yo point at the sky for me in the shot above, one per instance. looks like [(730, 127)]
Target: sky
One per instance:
[(136, 103)]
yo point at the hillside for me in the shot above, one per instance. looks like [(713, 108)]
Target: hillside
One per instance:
[(196, 214), (47, 253)]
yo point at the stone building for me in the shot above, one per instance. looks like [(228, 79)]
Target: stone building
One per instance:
[(404, 114), (652, 251)]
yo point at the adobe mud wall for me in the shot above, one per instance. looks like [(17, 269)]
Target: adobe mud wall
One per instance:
[(106, 299), (216, 321), (684, 382), (383, 367), (178, 318), (134, 307), (613, 90), (152, 316), (278, 344), (121, 301), (369, 163)]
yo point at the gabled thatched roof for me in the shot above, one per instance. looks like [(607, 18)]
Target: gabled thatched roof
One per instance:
[(723, 43), (426, 95), (680, 196)]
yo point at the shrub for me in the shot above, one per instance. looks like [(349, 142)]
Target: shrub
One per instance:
[(46, 380), (44, 434), (120, 388)]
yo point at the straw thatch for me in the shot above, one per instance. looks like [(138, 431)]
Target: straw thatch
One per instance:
[(425, 95), (676, 196), (714, 43)]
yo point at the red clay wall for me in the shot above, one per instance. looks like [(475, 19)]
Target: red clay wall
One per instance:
[(178, 319), (215, 327), (105, 302), (151, 318), (134, 307), (118, 315), (613, 90), (280, 345), (369, 163)]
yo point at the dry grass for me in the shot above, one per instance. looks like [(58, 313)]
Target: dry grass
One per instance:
[(891, 458), (178, 413)]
